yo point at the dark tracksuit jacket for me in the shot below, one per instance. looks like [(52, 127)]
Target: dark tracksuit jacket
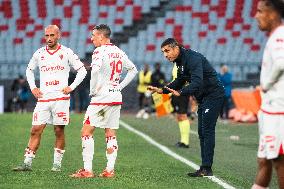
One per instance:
[(196, 77)]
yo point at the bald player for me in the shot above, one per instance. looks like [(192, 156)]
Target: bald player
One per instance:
[(53, 100)]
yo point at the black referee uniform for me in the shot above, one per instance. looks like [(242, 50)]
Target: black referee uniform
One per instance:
[(208, 90)]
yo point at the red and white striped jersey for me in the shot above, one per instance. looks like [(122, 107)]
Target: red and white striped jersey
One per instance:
[(54, 67), (108, 62), (272, 73)]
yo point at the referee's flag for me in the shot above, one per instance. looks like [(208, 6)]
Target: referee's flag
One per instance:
[(162, 104)]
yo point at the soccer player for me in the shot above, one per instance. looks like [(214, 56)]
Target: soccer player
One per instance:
[(108, 62), (180, 104), (269, 15), (205, 86), (54, 62)]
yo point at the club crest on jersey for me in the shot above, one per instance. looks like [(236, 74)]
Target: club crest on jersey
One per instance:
[(42, 57), (280, 40), (95, 52), (61, 56), (61, 114)]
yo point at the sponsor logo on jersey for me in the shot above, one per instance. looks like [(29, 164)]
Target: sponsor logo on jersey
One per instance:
[(61, 56), (50, 83), (42, 57), (51, 68), (114, 90)]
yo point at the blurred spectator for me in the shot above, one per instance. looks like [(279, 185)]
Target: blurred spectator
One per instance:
[(226, 78), (20, 95), (144, 80), (158, 77), (72, 76), (83, 91)]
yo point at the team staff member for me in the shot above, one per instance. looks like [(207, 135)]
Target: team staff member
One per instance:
[(205, 86)]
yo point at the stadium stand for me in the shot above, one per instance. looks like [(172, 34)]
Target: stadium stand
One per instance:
[(224, 31)]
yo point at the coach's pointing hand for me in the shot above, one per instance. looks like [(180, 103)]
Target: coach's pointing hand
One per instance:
[(174, 92), (154, 89), (37, 93), (66, 90)]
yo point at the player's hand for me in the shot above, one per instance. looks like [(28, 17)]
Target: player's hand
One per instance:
[(37, 93), (154, 89), (260, 89), (66, 90), (174, 92)]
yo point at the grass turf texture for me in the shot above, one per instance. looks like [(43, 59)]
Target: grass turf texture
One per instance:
[(139, 165)]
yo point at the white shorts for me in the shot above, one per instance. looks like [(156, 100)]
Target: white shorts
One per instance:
[(103, 116), (271, 132), (53, 112)]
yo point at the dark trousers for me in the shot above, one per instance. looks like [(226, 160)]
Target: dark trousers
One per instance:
[(226, 107), (208, 112)]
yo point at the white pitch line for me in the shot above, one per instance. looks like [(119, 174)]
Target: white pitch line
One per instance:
[(174, 155)]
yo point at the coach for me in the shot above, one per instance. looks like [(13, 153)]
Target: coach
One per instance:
[(197, 78)]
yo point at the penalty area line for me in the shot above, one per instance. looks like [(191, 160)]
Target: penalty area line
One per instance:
[(173, 154)]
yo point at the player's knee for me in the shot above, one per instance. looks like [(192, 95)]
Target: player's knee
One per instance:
[(86, 132), (279, 162), (36, 131), (109, 133), (263, 163)]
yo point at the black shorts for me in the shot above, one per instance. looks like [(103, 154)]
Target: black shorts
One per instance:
[(180, 104)]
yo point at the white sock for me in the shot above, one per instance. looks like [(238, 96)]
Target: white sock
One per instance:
[(58, 155), (29, 156), (113, 148), (88, 152)]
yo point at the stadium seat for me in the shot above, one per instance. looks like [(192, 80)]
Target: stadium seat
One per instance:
[(224, 31), (215, 28)]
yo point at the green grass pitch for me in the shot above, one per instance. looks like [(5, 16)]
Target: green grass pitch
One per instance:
[(139, 164)]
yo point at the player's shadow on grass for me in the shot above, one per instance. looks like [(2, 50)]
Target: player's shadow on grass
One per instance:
[(251, 146)]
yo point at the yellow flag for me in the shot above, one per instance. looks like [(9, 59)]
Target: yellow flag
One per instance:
[(162, 104)]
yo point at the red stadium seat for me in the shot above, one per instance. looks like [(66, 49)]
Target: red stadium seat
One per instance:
[(30, 34), (17, 41), (150, 47), (222, 41), (4, 28)]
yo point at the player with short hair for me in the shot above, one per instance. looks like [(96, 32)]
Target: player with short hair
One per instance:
[(54, 62), (269, 15), (108, 62)]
